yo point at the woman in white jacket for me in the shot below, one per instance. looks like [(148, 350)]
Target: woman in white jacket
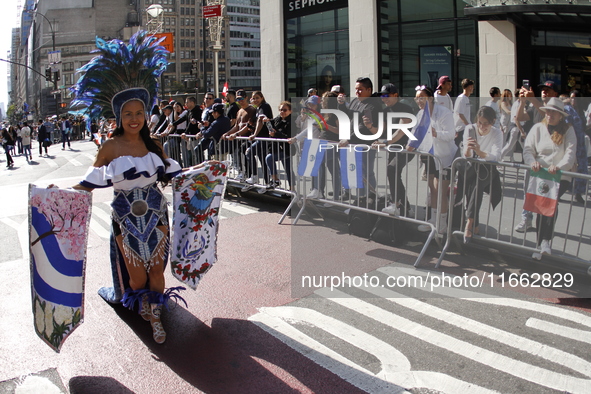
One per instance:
[(439, 140), (550, 144)]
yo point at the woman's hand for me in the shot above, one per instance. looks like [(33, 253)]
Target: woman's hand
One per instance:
[(536, 166), (552, 169), (291, 140)]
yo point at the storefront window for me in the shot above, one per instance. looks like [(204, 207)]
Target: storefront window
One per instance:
[(317, 52), (405, 29)]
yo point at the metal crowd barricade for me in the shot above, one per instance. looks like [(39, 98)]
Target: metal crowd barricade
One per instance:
[(266, 161), (571, 242), (375, 167)]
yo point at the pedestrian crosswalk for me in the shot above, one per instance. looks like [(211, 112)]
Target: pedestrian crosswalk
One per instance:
[(382, 340)]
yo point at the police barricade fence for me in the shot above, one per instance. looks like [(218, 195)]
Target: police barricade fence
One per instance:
[(261, 164), (496, 226), (360, 178)]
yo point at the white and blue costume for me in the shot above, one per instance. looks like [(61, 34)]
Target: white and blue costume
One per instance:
[(139, 207)]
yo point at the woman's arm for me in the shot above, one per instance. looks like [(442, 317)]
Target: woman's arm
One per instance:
[(493, 151), (530, 153), (445, 129), (570, 156)]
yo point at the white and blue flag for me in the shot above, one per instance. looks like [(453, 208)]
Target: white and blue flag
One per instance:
[(351, 169), (424, 141), (312, 157)]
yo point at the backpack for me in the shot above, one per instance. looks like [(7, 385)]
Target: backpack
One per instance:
[(389, 231), (361, 223)]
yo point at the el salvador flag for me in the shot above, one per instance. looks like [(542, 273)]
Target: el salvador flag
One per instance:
[(312, 157), (422, 131), (351, 169)]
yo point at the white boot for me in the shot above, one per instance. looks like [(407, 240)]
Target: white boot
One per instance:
[(157, 330), (425, 227)]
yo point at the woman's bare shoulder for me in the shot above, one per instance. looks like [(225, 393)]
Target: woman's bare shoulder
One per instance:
[(106, 153)]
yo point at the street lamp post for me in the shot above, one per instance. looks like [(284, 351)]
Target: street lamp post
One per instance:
[(52, 36), (53, 50), (154, 26)]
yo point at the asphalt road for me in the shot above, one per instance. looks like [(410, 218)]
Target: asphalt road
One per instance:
[(255, 325)]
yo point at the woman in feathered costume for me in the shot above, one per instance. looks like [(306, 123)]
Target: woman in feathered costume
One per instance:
[(122, 82)]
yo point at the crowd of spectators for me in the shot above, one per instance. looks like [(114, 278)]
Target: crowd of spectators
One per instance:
[(244, 126)]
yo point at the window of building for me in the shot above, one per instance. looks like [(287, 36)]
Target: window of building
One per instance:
[(405, 29), (317, 51)]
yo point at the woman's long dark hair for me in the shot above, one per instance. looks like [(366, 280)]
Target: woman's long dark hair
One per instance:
[(148, 141)]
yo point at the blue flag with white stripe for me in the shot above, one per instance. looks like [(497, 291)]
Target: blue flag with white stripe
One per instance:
[(58, 233), (312, 157), (422, 130), (351, 169)]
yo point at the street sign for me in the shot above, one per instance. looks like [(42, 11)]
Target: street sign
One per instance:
[(54, 57), (210, 11), (168, 42)]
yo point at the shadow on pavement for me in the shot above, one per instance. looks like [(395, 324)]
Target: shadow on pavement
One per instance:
[(96, 385), (223, 358)]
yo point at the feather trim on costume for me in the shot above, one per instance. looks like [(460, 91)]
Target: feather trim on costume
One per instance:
[(170, 294), (133, 297), (118, 67)]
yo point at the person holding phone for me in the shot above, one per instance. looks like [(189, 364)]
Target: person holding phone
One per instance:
[(368, 115), (483, 141)]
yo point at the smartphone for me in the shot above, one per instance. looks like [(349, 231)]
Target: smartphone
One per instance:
[(525, 84)]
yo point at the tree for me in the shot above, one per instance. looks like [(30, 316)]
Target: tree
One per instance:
[(67, 214)]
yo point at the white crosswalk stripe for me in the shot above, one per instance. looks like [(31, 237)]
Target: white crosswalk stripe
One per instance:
[(519, 350)]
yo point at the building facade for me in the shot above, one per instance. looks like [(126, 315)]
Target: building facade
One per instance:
[(407, 42), (245, 44), (70, 27)]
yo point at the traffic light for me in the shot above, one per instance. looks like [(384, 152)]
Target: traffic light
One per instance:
[(48, 74), (57, 75)]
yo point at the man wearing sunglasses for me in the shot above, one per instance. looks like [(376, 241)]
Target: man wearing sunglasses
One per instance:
[(368, 114)]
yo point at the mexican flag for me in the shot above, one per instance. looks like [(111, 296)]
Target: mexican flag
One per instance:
[(542, 192)]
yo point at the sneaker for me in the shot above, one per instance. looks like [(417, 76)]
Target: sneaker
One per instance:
[(523, 226), (315, 194), (545, 247), (247, 188), (391, 210), (424, 228), (252, 180), (262, 190), (536, 256), (240, 177), (271, 186)]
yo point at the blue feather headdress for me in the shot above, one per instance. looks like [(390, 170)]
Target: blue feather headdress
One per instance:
[(119, 74)]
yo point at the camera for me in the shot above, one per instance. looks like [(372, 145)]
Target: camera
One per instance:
[(525, 84)]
